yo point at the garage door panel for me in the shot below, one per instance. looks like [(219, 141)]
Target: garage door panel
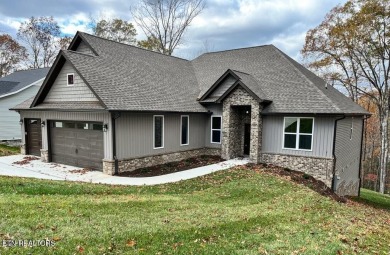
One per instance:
[(78, 147)]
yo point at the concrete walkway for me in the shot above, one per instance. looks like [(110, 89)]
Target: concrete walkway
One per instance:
[(54, 171)]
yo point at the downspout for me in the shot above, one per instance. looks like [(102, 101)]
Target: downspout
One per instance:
[(334, 152), (114, 116), (361, 152)]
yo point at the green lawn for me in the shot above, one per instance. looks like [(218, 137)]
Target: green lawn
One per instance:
[(6, 150), (229, 212)]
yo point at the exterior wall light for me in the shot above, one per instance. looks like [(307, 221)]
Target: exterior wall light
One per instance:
[(105, 128), (21, 121), (43, 124)]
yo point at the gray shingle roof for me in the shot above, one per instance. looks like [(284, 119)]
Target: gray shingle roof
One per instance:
[(252, 83), (132, 79), (291, 87), (21, 79)]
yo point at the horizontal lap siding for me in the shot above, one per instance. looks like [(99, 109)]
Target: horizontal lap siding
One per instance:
[(134, 134), (9, 120), (61, 92), (75, 116), (322, 137)]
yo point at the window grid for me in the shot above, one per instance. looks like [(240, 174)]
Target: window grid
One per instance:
[(297, 134)]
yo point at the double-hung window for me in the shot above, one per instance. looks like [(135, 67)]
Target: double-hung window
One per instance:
[(216, 129), (184, 132), (158, 131), (298, 133)]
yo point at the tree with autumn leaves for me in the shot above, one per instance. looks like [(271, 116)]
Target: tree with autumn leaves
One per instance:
[(11, 54), (350, 49)]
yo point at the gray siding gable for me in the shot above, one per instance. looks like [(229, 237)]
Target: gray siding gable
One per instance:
[(223, 87), (84, 48), (61, 92)]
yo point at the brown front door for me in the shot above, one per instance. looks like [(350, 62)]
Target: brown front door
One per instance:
[(33, 136), (247, 139)]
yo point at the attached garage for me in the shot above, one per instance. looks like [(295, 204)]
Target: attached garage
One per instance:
[(77, 143)]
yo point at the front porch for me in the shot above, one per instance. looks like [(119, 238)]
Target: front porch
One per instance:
[(241, 126)]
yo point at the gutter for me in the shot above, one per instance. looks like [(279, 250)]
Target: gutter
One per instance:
[(334, 152), (114, 116), (361, 152)]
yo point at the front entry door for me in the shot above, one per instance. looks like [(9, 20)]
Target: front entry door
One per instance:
[(247, 139), (33, 136)]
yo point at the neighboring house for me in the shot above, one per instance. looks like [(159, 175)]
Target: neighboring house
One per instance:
[(15, 89), (116, 107)]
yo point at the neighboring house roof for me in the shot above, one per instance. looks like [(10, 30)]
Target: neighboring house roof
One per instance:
[(21, 80), (128, 78)]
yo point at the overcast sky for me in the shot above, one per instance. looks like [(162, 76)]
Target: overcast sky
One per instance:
[(224, 24)]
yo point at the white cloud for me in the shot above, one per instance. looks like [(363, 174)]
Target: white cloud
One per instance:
[(77, 22)]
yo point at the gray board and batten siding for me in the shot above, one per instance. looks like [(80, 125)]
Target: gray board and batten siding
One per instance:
[(103, 117), (322, 137), (347, 151), (62, 92), (134, 134)]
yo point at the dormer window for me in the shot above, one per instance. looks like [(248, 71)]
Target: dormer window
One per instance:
[(70, 79)]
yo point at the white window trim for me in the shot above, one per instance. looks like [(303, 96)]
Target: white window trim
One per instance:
[(188, 129), (163, 129), (297, 134), (211, 127), (67, 79)]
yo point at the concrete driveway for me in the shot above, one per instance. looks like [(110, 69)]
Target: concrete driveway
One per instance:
[(54, 171)]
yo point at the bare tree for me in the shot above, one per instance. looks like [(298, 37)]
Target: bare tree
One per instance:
[(166, 20), (41, 36), (115, 29)]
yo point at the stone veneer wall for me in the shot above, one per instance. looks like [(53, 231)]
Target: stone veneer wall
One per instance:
[(44, 155), (231, 126), (319, 168), (23, 149), (128, 165)]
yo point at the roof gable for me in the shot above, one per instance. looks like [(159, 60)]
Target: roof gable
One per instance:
[(52, 76), (228, 82)]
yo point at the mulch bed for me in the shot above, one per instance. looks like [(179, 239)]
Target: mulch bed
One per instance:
[(173, 167), (26, 160), (298, 177)]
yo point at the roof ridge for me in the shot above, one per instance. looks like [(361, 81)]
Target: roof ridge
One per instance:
[(243, 48), (80, 53), (133, 46), (289, 61), (240, 72)]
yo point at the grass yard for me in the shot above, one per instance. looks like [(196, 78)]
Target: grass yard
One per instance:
[(230, 212), (6, 150)]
